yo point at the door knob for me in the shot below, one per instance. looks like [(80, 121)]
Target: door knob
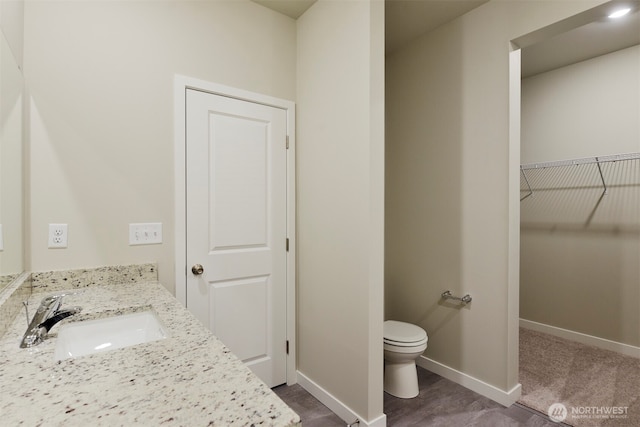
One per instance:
[(197, 269)]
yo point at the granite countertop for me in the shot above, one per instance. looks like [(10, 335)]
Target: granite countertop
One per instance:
[(187, 379)]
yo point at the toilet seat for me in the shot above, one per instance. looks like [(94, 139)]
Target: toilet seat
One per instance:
[(401, 334)]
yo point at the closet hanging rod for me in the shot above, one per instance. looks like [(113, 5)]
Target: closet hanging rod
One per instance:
[(582, 161)]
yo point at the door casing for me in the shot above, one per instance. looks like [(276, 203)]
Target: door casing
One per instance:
[(181, 84)]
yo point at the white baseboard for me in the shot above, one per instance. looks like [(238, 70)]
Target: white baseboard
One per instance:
[(603, 343), (336, 406), (505, 398)]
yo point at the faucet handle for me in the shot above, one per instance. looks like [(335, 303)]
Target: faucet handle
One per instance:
[(60, 315), (52, 299)]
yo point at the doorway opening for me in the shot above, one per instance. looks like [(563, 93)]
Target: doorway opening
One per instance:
[(579, 210)]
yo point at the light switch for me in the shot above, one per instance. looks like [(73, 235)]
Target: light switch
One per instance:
[(148, 233)]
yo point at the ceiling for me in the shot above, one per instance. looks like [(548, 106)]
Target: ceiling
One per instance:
[(587, 41), (406, 20), (291, 8)]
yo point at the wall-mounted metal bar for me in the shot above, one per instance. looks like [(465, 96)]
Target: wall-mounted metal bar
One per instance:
[(524, 174), (598, 161), (604, 184), (582, 161), (448, 295), (599, 193)]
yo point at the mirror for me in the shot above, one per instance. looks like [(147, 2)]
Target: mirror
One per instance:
[(11, 174)]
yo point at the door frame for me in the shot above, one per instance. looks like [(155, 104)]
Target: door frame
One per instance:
[(181, 84)]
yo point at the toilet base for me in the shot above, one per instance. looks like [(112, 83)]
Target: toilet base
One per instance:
[(401, 379)]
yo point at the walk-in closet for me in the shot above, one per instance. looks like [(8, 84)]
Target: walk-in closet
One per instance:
[(580, 226)]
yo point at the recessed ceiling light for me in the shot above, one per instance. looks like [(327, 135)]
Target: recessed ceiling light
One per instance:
[(620, 13)]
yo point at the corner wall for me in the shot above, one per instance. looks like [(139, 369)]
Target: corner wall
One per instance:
[(12, 27), (101, 78), (449, 204), (340, 160)]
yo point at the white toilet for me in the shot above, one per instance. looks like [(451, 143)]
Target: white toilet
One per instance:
[(403, 344)]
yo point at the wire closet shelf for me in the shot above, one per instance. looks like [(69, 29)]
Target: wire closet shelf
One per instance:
[(604, 190)]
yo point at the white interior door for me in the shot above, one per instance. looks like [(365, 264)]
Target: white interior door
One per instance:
[(236, 227)]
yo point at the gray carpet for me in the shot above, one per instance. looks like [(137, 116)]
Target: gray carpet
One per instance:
[(581, 377)]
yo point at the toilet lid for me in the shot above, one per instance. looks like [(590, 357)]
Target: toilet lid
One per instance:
[(402, 332)]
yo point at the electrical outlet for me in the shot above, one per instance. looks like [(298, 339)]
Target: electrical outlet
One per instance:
[(58, 235), (145, 233)]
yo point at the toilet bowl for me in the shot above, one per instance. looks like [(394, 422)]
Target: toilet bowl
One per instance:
[(403, 344)]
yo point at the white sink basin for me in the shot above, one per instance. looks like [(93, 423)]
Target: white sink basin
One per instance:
[(100, 335)]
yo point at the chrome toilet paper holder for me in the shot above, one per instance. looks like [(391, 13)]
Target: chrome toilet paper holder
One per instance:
[(449, 295)]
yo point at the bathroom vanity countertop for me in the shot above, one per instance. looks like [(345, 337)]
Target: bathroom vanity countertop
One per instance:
[(187, 379)]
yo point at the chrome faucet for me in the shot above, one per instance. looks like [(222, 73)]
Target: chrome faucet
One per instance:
[(47, 315)]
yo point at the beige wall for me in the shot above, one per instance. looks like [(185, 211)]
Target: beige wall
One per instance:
[(448, 197), (101, 144), (11, 135), (101, 149), (340, 201), (584, 279), (586, 109), (11, 170), (12, 26)]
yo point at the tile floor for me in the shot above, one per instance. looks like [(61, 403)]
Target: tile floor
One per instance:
[(440, 403)]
